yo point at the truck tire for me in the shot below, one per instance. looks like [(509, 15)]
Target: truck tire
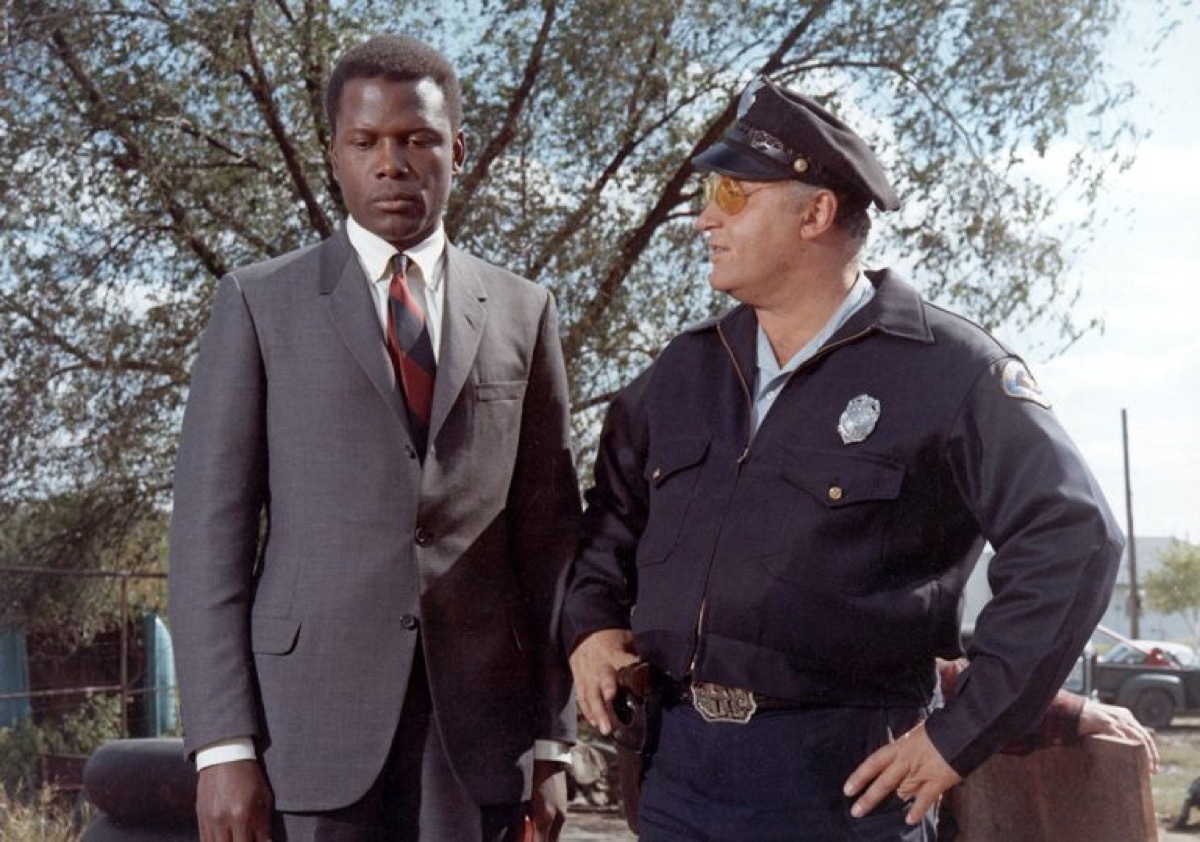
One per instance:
[(1154, 708)]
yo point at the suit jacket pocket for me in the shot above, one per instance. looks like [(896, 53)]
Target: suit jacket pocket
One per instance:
[(500, 390), (273, 635)]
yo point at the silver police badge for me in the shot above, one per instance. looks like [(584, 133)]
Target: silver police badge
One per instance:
[(858, 419)]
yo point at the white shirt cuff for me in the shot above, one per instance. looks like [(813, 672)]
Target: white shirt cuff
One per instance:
[(555, 750), (242, 748), (225, 751)]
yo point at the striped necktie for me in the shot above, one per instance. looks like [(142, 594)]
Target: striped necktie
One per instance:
[(411, 351)]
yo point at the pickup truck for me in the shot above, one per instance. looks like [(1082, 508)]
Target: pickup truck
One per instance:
[(1154, 679)]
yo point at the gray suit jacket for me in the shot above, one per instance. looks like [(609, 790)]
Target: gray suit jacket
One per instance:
[(299, 629)]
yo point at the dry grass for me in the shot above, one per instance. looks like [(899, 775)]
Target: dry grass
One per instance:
[(1179, 765), (45, 817)]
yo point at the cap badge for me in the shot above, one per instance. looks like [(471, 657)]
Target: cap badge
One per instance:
[(800, 165), (1019, 383), (764, 142), (858, 419)]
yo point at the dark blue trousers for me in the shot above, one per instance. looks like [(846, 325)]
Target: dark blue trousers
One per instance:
[(777, 777)]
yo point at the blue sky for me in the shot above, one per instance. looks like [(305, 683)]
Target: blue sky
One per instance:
[(1141, 275)]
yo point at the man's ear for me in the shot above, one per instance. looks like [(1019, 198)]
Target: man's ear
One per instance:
[(333, 161), (459, 153), (819, 213)]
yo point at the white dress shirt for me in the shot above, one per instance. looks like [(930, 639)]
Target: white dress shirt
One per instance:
[(426, 272)]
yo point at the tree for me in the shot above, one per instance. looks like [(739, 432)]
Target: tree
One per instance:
[(149, 146), (1174, 588)]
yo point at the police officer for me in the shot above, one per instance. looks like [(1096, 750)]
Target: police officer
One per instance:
[(788, 503)]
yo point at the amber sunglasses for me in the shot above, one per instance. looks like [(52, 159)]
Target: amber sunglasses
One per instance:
[(729, 194)]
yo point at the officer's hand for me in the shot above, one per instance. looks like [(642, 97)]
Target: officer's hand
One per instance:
[(233, 803), (1115, 721), (594, 663), (911, 767), (548, 806)]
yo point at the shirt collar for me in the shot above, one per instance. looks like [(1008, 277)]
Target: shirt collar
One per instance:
[(855, 299), (374, 253)]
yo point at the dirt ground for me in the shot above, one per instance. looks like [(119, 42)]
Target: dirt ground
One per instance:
[(1179, 753), (603, 826)]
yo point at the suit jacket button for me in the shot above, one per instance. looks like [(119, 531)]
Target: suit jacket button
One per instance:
[(422, 536), (408, 621)]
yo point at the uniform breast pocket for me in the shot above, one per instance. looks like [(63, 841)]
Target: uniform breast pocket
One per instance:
[(671, 473), (831, 518)]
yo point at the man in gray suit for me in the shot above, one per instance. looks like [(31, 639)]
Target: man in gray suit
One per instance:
[(375, 504)]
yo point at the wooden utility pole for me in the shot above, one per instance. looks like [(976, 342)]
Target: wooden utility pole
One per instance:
[(1135, 599)]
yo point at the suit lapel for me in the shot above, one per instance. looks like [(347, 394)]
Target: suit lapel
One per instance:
[(462, 330), (356, 320)]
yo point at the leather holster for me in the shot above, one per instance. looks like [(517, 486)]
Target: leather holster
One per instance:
[(637, 706)]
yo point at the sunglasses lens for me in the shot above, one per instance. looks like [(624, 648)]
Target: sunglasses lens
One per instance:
[(725, 192)]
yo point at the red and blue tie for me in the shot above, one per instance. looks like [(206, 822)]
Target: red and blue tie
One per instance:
[(411, 351)]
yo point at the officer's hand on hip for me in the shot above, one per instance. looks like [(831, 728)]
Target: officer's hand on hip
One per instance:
[(233, 802), (910, 767), (594, 663)]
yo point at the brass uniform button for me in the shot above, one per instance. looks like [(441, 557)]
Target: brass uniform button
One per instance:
[(835, 492)]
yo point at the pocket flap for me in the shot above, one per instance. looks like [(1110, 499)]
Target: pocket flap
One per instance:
[(273, 635), (500, 390), (843, 479), (673, 456)]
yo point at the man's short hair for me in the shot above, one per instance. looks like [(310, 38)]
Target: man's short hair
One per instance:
[(399, 58), (852, 217)]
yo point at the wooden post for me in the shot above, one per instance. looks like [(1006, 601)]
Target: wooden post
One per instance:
[(1098, 790)]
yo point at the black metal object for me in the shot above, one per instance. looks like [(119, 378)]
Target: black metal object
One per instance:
[(144, 789)]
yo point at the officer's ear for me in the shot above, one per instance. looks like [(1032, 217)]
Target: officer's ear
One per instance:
[(817, 212)]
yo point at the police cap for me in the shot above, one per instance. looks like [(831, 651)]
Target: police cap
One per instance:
[(780, 134)]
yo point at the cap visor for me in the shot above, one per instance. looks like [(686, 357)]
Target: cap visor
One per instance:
[(739, 161)]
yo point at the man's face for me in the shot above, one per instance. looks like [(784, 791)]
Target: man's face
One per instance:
[(755, 250), (394, 153)]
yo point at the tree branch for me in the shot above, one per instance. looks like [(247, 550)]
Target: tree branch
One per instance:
[(52, 337), (261, 90), (635, 242), (631, 141), (469, 183), (107, 119)]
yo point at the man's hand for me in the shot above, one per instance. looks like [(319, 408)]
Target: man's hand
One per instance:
[(1115, 721), (233, 803), (594, 663), (548, 805), (911, 767)]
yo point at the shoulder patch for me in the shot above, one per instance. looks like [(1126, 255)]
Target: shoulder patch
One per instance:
[(1017, 382)]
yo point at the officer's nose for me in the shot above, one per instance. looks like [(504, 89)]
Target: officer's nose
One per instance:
[(708, 219)]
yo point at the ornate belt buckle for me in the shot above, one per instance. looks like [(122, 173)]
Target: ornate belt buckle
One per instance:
[(718, 703)]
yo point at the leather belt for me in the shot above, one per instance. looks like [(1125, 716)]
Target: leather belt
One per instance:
[(719, 703)]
